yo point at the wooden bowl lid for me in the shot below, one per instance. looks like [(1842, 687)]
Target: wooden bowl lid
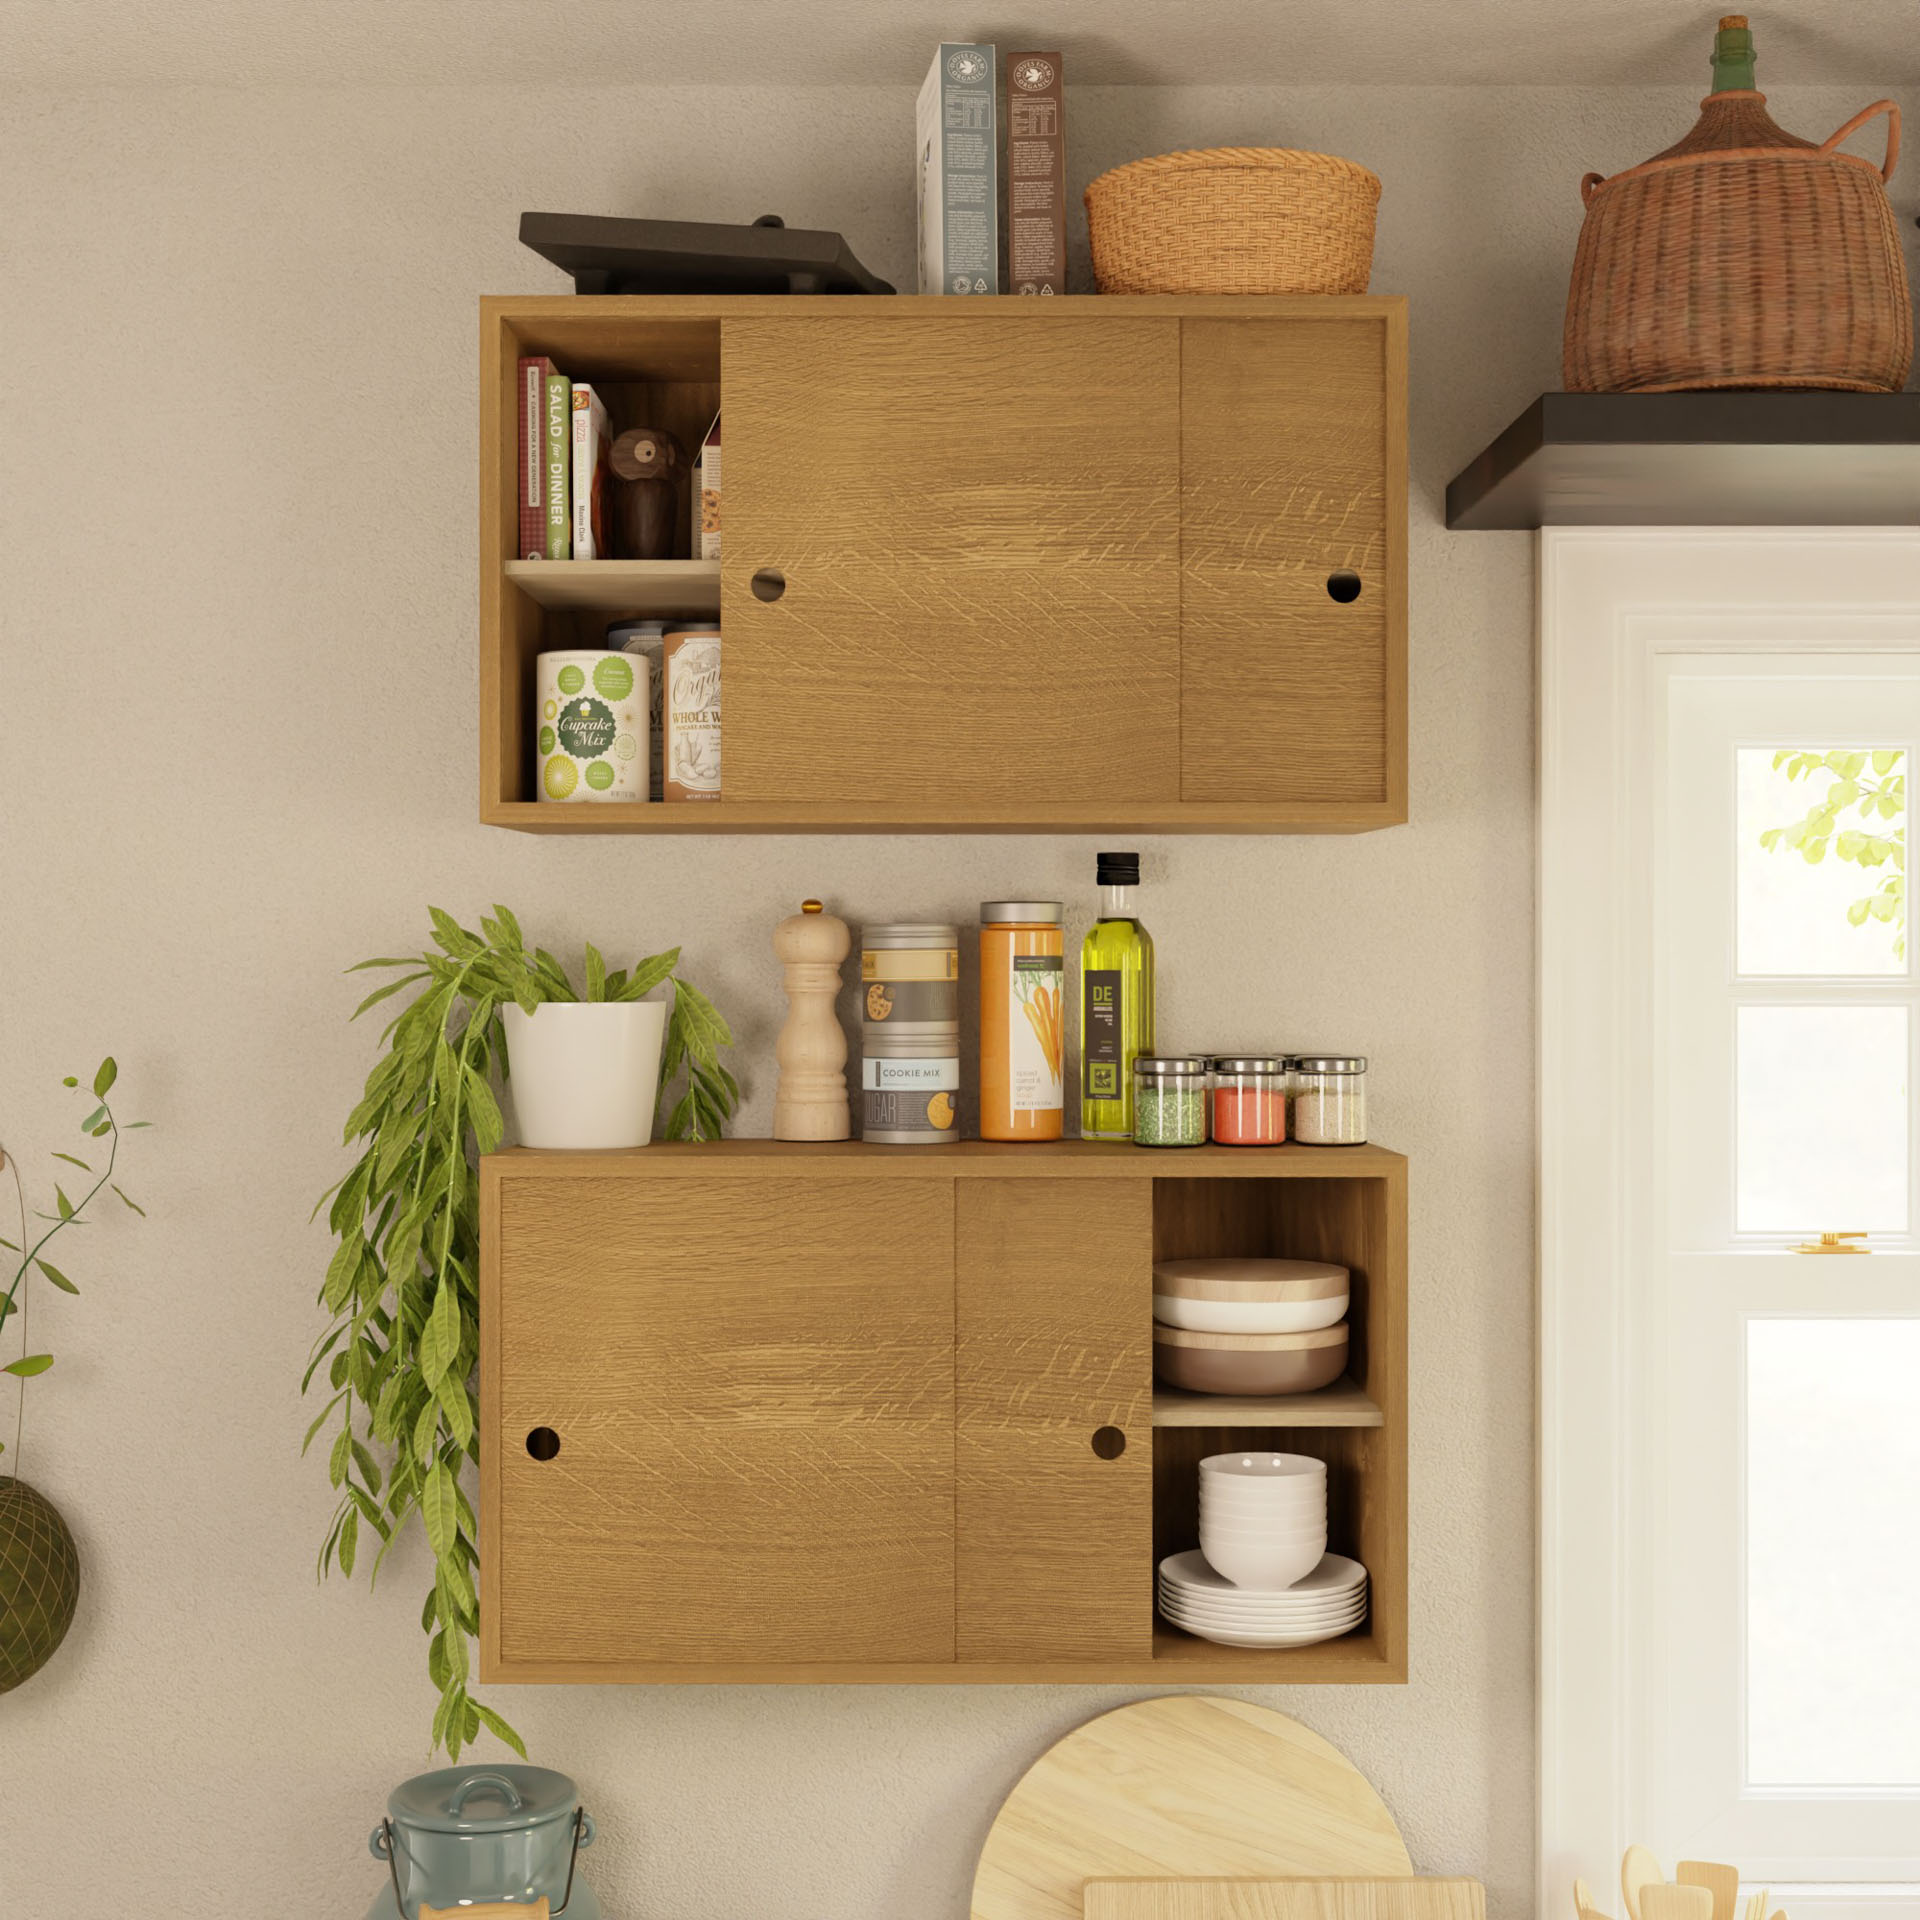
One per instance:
[(1249, 1279), (1166, 1336)]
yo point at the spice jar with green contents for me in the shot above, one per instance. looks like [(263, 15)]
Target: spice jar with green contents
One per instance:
[(1170, 1100)]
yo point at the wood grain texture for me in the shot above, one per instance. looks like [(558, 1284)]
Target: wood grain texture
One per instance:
[(1053, 1543), (1341, 1405), (1411, 1899), (1055, 575), (1285, 480), (815, 1205), (1176, 1787), (979, 532), (763, 1159), (634, 589), (753, 1390)]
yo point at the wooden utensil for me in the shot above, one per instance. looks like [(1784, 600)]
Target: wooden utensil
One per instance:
[(1638, 1868), (493, 1910), (1397, 1899), (647, 462), (1722, 1882), (1661, 1900), (1181, 1786)]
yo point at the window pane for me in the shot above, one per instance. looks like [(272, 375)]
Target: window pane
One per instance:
[(1820, 867), (1822, 1119), (1833, 1553)]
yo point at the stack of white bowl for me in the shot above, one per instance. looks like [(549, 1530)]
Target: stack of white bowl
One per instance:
[(1263, 1576)]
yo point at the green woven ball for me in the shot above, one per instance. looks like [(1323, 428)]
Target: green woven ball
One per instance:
[(39, 1582)]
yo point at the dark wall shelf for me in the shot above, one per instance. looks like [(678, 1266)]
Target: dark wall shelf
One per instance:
[(1698, 460)]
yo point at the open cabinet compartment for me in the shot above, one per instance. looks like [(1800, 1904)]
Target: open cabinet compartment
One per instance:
[(1359, 1428), (664, 373)]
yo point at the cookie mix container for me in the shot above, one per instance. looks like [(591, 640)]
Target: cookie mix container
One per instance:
[(590, 739), (910, 1087), (910, 1032)]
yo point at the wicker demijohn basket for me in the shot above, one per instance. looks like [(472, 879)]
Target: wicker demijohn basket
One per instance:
[(1233, 220), (1742, 256)]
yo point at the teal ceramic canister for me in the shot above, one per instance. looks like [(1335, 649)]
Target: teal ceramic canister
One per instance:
[(466, 1835)]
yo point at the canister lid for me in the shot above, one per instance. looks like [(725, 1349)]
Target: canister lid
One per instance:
[(482, 1799), (625, 634), (910, 933), (1329, 1063), (1154, 1064), (1251, 1062), (1045, 912)]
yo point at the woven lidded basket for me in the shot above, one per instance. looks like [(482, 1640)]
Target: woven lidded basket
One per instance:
[(1742, 256), (1234, 220)]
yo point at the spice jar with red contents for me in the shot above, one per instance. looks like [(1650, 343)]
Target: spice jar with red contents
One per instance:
[(1249, 1096)]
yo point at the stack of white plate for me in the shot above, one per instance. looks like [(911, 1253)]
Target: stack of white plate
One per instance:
[(1330, 1601)]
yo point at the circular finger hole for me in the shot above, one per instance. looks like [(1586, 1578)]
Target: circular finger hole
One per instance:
[(769, 584), (1109, 1442), (543, 1443), (1343, 586)]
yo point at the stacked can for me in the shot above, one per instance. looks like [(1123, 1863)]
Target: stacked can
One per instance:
[(910, 1031)]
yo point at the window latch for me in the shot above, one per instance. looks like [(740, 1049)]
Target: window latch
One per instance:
[(1832, 1243)]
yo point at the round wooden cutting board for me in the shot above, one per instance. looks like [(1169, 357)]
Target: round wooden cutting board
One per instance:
[(1186, 1785)]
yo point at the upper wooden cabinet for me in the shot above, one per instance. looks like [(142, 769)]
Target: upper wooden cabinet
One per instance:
[(756, 1411), (1072, 564)]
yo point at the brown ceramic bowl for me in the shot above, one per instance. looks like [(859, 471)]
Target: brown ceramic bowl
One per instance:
[(1249, 1363)]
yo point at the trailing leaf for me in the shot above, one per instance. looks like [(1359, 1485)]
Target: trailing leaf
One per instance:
[(401, 1284)]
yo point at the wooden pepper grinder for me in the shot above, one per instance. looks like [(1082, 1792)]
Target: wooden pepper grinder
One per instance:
[(811, 1101)]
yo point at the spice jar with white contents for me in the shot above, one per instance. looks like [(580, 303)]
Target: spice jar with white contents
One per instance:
[(1169, 1100), (1329, 1100), (1249, 1099)]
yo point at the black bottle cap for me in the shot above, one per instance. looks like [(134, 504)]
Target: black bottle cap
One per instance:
[(1117, 869)]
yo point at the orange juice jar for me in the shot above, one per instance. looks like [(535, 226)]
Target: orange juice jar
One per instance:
[(1022, 1020)]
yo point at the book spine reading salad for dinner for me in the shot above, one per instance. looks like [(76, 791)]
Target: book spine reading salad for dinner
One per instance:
[(956, 150), (1036, 174), (558, 455), (531, 478)]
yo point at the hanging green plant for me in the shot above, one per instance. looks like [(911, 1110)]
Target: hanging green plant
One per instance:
[(39, 1564), (402, 1288)]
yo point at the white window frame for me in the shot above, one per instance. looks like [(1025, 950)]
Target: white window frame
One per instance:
[(1612, 602)]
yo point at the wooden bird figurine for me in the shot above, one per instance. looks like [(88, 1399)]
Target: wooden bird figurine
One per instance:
[(811, 1101), (647, 462)]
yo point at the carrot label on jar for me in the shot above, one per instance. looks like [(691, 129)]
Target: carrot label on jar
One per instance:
[(1022, 1020), (1035, 1042)]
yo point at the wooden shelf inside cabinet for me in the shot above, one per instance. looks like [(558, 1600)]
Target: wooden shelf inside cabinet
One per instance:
[(887, 579), (1340, 1405), (905, 1428), (647, 588)]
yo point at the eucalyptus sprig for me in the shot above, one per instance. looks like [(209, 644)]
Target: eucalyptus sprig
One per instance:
[(403, 1284), (100, 1124)]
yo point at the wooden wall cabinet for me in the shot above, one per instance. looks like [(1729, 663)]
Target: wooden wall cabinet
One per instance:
[(1044, 565), (830, 1412)]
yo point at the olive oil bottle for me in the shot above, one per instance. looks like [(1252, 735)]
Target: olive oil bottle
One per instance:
[(1116, 1002)]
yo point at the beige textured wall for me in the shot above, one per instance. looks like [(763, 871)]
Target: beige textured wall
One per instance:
[(237, 606)]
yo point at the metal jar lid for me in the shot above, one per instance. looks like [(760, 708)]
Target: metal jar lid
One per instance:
[(1328, 1063), (1045, 913), (910, 933), (492, 1799), (1251, 1062), (1155, 1064)]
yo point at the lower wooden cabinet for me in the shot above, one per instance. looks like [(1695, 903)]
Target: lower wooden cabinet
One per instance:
[(772, 1412)]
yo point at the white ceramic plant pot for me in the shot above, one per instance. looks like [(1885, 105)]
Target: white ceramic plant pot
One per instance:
[(585, 1074)]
